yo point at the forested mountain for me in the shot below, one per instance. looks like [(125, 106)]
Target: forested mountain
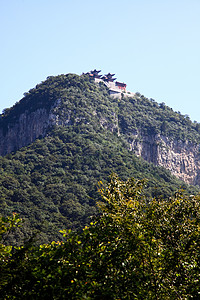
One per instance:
[(67, 134)]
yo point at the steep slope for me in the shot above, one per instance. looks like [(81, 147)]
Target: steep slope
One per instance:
[(162, 136)]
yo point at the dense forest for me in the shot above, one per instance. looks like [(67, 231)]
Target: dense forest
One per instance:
[(53, 183)]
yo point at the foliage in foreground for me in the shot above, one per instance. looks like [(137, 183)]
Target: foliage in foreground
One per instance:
[(134, 250)]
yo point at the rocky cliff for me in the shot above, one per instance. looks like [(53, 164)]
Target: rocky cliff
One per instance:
[(24, 131), (182, 159)]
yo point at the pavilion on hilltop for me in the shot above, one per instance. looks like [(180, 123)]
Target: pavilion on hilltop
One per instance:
[(115, 87), (94, 74), (121, 86), (109, 77)]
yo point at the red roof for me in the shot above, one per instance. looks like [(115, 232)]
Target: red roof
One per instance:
[(120, 84)]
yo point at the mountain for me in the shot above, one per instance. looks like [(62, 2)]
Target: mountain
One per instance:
[(68, 133), (151, 130)]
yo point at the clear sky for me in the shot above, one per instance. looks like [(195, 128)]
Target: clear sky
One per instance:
[(152, 45)]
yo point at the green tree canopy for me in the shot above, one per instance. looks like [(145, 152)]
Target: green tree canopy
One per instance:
[(136, 249)]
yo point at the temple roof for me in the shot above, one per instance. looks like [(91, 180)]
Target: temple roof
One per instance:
[(109, 77), (120, 83), (95, 73)]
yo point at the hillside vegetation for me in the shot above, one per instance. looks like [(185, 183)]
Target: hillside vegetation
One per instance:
[(52, 183)]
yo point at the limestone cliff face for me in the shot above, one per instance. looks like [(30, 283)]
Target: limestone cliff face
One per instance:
[(27, 127), (181, 158), (23, 131)]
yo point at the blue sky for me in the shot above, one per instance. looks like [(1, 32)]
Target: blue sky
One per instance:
[(152, 45)]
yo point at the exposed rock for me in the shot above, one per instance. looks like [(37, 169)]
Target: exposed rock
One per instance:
[(181, 158), (24, 131)]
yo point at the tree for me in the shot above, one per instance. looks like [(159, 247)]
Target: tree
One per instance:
[(161, 238), (7, 226)]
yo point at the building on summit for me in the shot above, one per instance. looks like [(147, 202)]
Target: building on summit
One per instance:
[(121, 86), (116, 88), (109, 77), (94, 74)]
